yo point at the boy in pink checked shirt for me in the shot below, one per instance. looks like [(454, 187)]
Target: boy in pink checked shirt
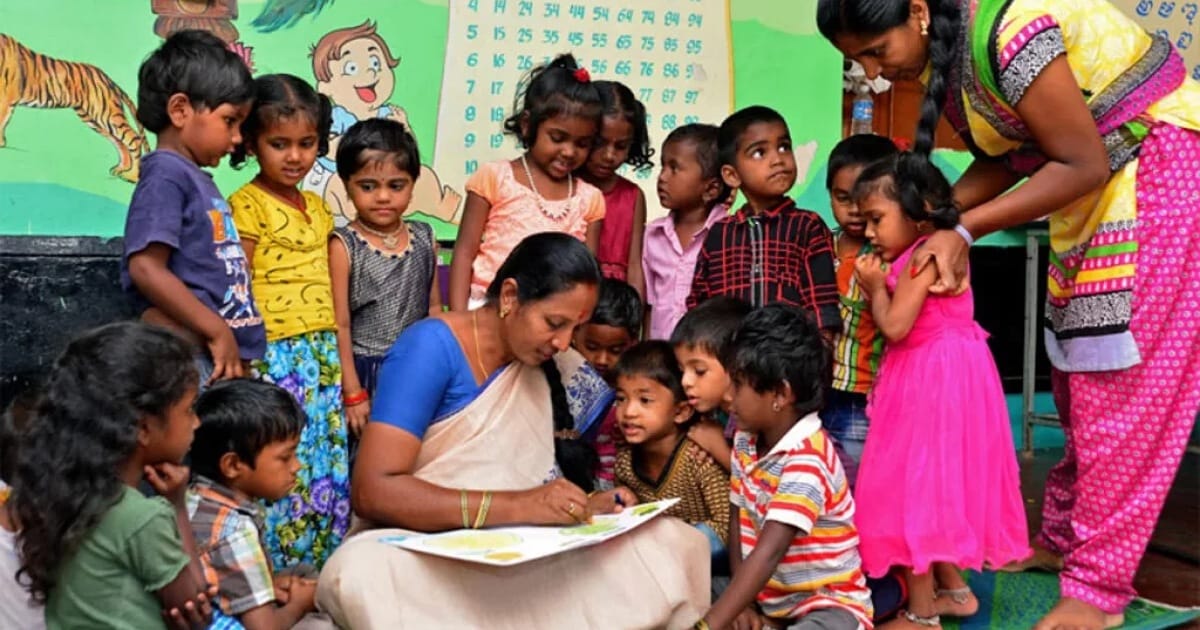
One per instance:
[(690, 186)]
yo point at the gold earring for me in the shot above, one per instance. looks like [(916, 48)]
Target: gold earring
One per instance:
[(924, 28), (503, 312), (774, 406)]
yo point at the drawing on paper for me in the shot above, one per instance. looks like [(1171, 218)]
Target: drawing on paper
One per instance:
[(504, 546), (473, 541)]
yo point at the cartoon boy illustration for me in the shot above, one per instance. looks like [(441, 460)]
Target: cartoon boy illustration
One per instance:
[(354, 68)]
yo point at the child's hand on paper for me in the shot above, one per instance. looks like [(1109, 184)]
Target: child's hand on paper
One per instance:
[(612, 501)]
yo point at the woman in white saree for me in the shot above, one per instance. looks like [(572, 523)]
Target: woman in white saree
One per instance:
[(464, 411)]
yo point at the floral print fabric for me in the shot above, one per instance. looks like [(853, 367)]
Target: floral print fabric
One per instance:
[(308, 525)]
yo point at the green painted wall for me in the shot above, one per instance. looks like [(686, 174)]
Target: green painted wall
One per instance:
[(54, 171)]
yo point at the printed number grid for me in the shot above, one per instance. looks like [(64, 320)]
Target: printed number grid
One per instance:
[(675, 57)]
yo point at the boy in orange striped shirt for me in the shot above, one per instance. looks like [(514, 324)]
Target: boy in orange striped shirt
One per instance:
[(793, 547), (858, 347)]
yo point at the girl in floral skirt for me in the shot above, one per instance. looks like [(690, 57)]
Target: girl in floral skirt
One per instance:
[(285, 233)]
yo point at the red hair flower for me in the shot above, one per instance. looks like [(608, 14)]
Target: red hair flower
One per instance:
[(582, 75)]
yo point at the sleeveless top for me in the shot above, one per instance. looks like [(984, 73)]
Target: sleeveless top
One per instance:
[(388, 292), (617, 233)]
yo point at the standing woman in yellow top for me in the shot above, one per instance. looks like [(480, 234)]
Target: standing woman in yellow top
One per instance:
[(286, 236), (1101, 118)]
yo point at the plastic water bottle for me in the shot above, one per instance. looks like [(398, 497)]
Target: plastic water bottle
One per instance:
[(862, 112)]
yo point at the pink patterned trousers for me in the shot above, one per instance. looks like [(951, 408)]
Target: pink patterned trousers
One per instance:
[(1127, 430)]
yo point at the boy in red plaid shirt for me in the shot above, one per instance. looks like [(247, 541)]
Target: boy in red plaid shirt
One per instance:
[(770, 251)]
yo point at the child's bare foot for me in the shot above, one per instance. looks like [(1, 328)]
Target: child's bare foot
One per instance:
[(956, 602), (922, 598), (1073, 614), (952, 597), (1042, 560)]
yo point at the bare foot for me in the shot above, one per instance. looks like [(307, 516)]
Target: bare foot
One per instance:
[(1073, 614), (957, 602), (952, 597), (1042, 560)]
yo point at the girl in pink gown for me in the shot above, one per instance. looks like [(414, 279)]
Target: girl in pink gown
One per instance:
[(938, 490)]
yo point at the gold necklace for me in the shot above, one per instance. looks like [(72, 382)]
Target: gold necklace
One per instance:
[(478, 350), (541, 201), (390, 239)]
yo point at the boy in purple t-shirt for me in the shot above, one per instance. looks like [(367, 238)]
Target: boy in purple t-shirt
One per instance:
[(184, 266)]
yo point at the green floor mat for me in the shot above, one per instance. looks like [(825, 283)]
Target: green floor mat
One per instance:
[(1015, 601)]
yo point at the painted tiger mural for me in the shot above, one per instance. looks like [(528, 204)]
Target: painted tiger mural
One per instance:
[(31, 79)]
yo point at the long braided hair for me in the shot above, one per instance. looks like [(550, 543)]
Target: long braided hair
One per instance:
[(875, 17), (543, 265)]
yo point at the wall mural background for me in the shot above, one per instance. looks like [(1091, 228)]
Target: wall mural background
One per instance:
[(69, 141)]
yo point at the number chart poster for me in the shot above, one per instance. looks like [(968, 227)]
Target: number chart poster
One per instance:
[(70, 142), (676, 58)]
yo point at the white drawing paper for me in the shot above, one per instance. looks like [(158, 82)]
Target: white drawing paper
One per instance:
[(506, 546)]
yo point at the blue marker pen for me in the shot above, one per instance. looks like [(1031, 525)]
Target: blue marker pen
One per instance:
[(617, 498)]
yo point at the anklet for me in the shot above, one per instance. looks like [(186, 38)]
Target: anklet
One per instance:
[(957, 595), (928, 622)]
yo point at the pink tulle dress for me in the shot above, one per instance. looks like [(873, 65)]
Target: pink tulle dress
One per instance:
[(938, 480)]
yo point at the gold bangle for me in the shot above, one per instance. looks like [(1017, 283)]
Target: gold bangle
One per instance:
[(484, 504), (701, 625), (466, 514)]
